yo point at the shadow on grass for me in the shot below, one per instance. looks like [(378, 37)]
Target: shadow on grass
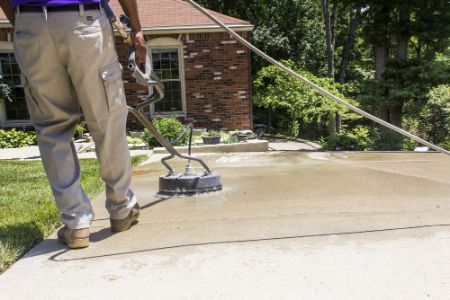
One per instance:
[(16, 240)]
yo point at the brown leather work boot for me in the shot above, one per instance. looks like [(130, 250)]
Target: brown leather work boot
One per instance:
[(126, 223), (74, 238)]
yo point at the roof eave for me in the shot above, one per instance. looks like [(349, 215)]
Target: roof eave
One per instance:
[(176, 29), (196, 29)]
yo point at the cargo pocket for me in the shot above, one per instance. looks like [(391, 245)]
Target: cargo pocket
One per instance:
[(31, 100), (114, 88)]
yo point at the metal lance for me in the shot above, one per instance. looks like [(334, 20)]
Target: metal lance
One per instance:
[(314, 86), (189, 182)]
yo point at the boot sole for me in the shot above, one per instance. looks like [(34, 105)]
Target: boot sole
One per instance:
[(124, 227), (76, 243)]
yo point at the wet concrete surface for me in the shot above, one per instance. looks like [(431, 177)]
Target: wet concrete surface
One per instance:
[(286, 225)]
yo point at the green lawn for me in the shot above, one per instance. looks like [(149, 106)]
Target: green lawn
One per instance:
[(27, 210)]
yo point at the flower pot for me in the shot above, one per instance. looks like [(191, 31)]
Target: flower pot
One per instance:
[(211, 140), (242, 137)]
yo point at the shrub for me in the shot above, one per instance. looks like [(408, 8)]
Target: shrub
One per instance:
[(171, 128), (434, 120), (16, 138), (80, 129), (134, 140), (213, 133), (359, 138), (391, 141), (228, 138)]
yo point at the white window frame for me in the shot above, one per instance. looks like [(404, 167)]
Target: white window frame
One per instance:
[(7, 47), (170, 43)]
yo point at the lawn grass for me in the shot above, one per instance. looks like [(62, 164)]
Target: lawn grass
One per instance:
[(27, 210)]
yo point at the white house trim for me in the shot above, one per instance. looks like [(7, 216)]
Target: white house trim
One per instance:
[(7, 47)]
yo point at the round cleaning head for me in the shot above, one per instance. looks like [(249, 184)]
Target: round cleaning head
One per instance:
[(189, 184)]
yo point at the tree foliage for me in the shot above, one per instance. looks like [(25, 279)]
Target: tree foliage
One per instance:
[(394, 55), (284, 29), (434, 119), (275, 89)]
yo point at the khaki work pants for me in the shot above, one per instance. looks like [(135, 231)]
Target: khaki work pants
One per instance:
[(68, 61)]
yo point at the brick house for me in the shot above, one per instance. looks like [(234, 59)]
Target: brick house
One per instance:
[(205, 72)]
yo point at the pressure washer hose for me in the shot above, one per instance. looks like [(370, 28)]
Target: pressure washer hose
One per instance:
[(314, 86)]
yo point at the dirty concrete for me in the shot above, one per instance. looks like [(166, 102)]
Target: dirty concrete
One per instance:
[(287, 225)]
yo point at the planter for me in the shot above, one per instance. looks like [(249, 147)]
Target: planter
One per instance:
[(242, 137), (211, 140)]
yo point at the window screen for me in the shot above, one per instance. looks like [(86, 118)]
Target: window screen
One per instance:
[(10, 72), (165, 62)]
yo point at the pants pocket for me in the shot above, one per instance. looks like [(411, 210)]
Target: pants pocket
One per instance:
[(113, 84), (31, 99)]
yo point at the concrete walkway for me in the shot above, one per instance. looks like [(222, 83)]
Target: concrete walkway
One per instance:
[(32, 153), (287, 225), (274, 144)]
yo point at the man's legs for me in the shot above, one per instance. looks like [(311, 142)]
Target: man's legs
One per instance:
[(54, 112), (88, 45)]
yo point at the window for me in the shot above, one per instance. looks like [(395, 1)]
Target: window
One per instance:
[(15, 110), (166, 58)]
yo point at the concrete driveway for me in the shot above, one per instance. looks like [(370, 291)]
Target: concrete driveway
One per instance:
[(287, 225)]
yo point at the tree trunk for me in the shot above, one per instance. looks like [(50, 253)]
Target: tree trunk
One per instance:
[(403, 39), (338, 122), (381, 55), (330, 23), (348, 45), (396, 110), (269, 119), (331, 125), (396, 114), (328, 36), (333, 21)]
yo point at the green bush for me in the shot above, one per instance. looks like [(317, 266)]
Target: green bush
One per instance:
[(341, 141), (445, 144), (228, 138), (359, 138), (79, 130), (392, 141), (134, 140), (171, 128), (213, 133), (16, 138)]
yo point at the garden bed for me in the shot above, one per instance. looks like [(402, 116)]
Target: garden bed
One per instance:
[(248, 146)]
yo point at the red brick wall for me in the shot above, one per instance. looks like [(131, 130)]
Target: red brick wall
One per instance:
[(217, 78)]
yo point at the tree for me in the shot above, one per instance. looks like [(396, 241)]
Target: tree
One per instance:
[(397, 31), (435, 117), (330, 24), (284, 29), (355, 18), (278, 90)]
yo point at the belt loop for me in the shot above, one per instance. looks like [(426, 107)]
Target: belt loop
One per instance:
[(44, 11), (81, 6), (18, 10)]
